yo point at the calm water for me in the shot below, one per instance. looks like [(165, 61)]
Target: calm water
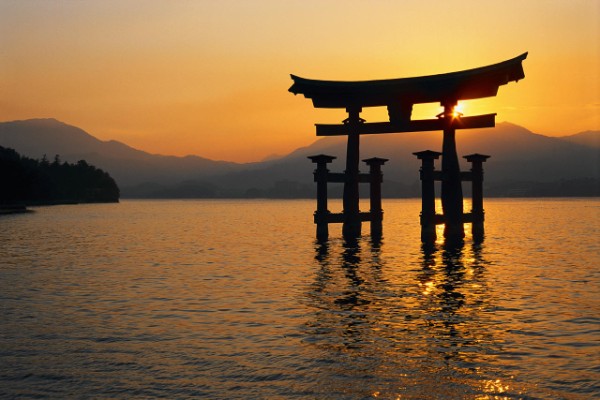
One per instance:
[(235, 300)]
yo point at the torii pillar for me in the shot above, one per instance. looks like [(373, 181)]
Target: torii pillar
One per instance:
[(352, 224), (320, 176), (375, 179), (452, 196), (428, 218), (477, 212)]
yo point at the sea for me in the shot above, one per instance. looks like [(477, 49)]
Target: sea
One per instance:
[(235, 299)]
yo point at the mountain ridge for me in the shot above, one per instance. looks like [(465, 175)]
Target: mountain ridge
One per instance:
[(587, 138), (518, 156), (129, 166)]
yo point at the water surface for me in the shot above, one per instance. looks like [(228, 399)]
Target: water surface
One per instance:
[(234, 299)]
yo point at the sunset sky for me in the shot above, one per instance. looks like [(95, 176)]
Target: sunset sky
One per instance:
[(211, 77)]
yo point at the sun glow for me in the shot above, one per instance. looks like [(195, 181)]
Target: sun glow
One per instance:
[(152, 87), (458, 110)]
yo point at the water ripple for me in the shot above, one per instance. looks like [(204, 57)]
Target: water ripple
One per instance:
[(169, 299)]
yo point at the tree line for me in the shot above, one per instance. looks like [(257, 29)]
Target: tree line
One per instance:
[(28, 181)]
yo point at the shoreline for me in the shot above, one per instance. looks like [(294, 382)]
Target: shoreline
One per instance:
[(7, 209), (13, 209)]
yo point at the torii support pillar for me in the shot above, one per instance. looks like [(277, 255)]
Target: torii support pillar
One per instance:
[(428, 218), (375, 179), (477, 212), (452, 196), (322, 213), (352, 221)]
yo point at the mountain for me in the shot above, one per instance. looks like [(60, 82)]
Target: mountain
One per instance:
[(587, 138), (522, 163), (128, 166)]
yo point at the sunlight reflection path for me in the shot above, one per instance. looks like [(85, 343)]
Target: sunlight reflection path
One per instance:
[(426, 330)]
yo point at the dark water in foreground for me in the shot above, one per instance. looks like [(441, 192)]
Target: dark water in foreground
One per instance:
[(234, 300)]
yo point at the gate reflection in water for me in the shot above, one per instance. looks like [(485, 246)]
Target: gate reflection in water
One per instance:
[(415, 335)]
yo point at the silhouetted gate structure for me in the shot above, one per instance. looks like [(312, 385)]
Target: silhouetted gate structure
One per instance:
[(399, 96)]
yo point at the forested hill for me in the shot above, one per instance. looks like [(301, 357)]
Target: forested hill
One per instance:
[(27, 181)]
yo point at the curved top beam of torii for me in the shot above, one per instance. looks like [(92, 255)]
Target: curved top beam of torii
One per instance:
[(404, 92)]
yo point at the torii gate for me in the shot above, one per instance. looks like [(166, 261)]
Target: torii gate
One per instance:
[(399, 96)]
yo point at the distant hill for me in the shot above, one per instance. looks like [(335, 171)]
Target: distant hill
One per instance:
[(587, 138), (128, 166), (522, 164), (26, 181)]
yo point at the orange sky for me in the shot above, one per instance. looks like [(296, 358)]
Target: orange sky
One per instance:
[(211, 77)]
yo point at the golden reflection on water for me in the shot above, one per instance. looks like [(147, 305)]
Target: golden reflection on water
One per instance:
[(424, 328)]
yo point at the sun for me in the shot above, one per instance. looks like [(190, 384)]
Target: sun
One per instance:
[(458, 110)]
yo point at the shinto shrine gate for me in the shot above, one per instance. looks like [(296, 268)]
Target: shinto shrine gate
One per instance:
[(399, 96)]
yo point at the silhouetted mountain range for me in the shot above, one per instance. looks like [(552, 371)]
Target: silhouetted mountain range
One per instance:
[(587, 138), (128, 166), (522, 163)]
